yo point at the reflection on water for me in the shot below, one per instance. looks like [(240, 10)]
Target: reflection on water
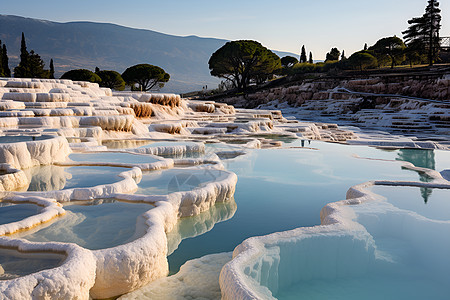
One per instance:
[(176, 180), (15, 264), (15, 212), (423, 159), (436, 207), (52, 178), (195, 226), (113, 157), (95, 225)]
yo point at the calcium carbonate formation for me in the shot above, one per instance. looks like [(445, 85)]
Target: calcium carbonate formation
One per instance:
[(43, 121)]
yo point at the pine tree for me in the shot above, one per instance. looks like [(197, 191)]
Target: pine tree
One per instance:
[(424, 30), (343, 57), (36, 66), (5, 62), (333, 55), (51, 74), (365, 47), (303, 58), (311, 61)]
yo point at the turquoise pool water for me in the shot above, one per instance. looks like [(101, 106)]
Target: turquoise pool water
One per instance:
[(113, 157), (282, 189), (176, 180), (95, 225), (50, 178), (384, 286), (430, 203), (15, 212), (16, 264)]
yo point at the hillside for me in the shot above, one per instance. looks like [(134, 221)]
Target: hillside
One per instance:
[(109, 46)]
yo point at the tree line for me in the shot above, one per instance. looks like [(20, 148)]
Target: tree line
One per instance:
[(141, 77), (242, 63)]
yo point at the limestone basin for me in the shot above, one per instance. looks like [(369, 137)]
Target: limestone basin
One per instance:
[(12, 212), (52, 177), (98, 224), (114, 157), (177, 180), (14, 264)]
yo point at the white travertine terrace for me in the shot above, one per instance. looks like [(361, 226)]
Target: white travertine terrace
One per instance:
[(12, 179), (61, 116), (33, 153)]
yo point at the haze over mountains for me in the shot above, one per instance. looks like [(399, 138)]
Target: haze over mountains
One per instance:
[(88, 45)]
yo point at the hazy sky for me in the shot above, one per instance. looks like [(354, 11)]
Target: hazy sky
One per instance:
[(280, 25)]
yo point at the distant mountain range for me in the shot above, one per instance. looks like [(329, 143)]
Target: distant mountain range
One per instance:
[(88, 45)]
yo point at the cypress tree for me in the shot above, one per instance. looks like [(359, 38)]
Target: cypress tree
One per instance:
[(303, 58), (2, 74), (5, 62), (343, 57), (311, 61), (22, 70), (365, 47), (52, 70)]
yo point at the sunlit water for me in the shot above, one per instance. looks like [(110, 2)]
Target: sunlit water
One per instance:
[(282, 189), (15, 212), (95, 225), (430, 203), (50, 178), (113, 157), (176, 180), (15, 264)]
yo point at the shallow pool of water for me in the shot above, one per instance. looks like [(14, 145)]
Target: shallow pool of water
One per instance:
[(430, 203), (384, 286), (95, 225), (14, 264), (113, 157), (10, 212), (176, 180), (50, 178), (282, 189)]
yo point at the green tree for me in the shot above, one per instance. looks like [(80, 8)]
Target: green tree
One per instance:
[(424, 30), (81, 75), (365, 47), (51, 73), (5, 71), (362, 60), (288, 62), (393, 47), (303, 58), (36, 66), (111, 79), (22, 70), (343, 57), (145, 76), (415, 53), (311, 61), (243, 62), (333, 55)]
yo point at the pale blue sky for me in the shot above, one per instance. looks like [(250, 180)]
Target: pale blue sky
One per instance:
[(280, 25)]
